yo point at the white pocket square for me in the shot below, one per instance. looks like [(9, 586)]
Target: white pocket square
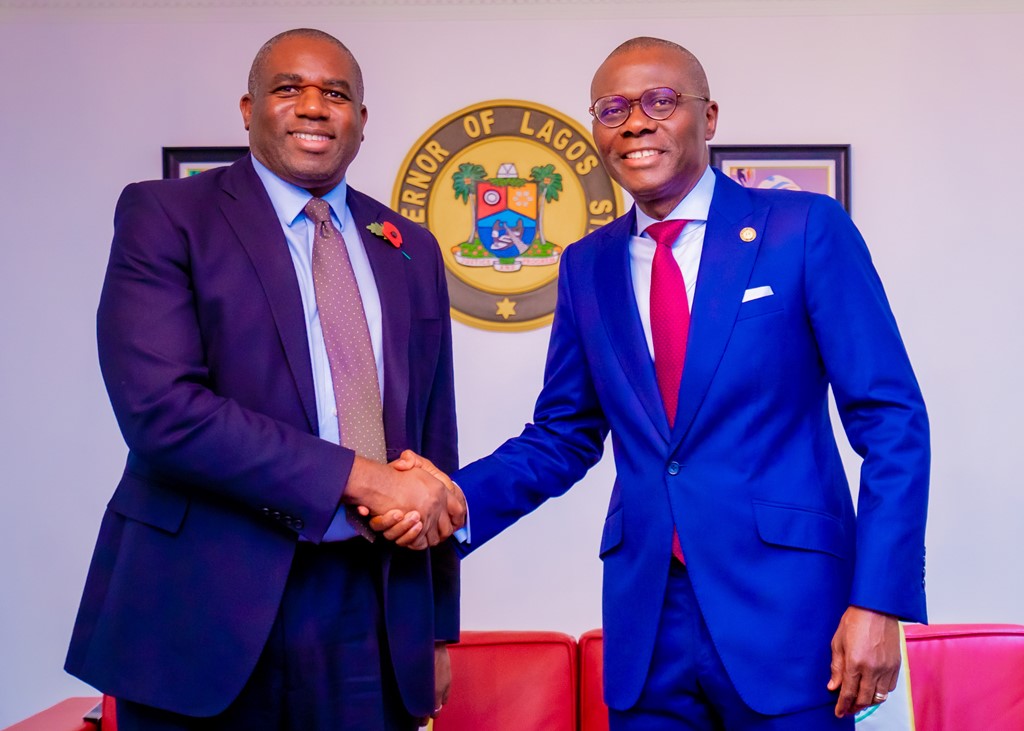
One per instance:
[(756, 293)]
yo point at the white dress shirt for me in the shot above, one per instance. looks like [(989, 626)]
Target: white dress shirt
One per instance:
[(686, 250)]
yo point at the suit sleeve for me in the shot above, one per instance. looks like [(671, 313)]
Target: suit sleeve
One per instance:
[(881, 408), (565, 439), (181, 433)]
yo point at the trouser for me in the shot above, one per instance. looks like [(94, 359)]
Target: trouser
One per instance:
[(326, 664), (688, 688)]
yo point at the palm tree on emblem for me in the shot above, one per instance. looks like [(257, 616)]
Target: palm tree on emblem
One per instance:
[(464, 182), (549, 185)]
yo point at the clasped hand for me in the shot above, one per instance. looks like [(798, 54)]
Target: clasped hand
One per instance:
[(409, 500), (408, 528)]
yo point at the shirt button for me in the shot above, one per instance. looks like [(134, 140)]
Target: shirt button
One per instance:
[(673, 468)]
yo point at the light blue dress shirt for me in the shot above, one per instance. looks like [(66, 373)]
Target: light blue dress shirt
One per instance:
[(289, 201)]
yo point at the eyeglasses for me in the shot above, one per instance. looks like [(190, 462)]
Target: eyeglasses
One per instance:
[(613, 111)]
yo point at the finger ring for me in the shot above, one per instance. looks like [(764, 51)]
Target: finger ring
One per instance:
[(881, 696), (438, 709)]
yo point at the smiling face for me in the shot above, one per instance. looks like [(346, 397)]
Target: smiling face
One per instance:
[(304, 113), (657, 161)]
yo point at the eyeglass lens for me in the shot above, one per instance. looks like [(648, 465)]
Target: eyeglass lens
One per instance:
[(613, 111)]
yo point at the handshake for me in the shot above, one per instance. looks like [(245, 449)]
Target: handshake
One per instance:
[(409, 501)]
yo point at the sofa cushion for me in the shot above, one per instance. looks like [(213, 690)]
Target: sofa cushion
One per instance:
[(511, 681)]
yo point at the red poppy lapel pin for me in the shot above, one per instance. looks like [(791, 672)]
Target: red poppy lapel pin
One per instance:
[(390, 233)]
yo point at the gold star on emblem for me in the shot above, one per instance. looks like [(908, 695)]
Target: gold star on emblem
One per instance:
[(506, 308)]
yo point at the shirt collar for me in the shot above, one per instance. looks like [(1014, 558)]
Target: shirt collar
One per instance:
[(289, 200), (694, 207)]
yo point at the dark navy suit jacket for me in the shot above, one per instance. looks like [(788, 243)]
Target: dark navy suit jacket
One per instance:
[(204, 352), (750, 474)]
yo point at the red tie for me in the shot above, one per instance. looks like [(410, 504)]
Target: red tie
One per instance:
[(670, 324)]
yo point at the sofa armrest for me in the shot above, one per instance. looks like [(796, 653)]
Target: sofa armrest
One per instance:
[(593, 711), (64, 716)]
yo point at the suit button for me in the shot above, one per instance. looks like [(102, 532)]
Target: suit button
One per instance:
[(265, 511), (673, 468), (297, 524)]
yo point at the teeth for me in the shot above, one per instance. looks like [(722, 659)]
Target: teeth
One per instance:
[(313, 138), (640, 153)]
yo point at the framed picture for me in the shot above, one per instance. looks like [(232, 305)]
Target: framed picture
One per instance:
[(181, 162), (817, 168)]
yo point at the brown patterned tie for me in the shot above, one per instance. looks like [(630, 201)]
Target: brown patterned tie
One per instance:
[(349, 350)]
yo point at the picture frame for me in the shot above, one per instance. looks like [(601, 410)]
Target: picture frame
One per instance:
[(181, 162), (816, 168)]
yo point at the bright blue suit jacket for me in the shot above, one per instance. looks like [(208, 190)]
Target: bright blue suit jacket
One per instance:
[(750, 474), (203, 348)]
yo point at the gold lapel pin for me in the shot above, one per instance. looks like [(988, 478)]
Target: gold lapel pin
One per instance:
[(748, 234)]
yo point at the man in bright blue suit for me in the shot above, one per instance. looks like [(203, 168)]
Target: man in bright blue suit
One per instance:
[(780, 610)]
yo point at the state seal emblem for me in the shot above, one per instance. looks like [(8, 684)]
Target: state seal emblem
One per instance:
[(505, 186)]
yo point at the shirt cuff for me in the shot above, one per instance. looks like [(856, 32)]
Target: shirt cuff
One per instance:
[(462, 534)]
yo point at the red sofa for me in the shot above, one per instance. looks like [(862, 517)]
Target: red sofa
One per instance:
[(963, 677)]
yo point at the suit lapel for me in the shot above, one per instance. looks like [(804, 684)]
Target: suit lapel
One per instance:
[(250, 213), (622, 319), (725, 267), (390, 273)]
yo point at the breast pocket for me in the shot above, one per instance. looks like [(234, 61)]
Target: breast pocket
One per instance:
[(761, 306)]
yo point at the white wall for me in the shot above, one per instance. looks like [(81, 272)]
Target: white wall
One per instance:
[(929, 100)]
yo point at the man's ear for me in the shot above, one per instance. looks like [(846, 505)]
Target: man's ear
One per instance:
[(711, 113), (245, 105)]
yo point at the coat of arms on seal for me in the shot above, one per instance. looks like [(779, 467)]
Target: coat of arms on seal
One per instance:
[(505, 186)]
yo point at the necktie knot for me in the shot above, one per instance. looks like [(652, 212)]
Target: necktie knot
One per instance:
[(318, 210), (665, 233)]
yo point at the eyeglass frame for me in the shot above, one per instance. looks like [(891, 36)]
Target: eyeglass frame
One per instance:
[(637, 101)]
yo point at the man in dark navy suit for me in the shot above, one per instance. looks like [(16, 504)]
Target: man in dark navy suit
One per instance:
[(261, 392)]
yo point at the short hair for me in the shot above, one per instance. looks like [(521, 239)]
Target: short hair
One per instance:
[(694, 67), (261, 55)]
